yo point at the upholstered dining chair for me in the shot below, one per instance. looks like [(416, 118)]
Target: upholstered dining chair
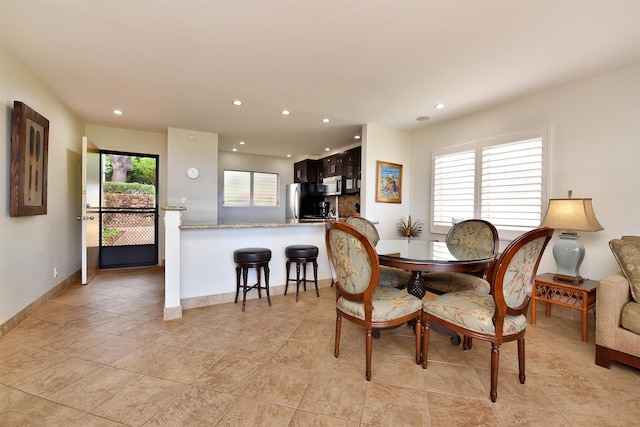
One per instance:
[(389, 276), (468, 239), (355, 270), (500, 316)]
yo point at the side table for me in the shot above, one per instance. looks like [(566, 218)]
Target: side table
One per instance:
[(578, 296)]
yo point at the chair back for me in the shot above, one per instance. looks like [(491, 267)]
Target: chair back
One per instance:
[(366, 227), (514, 272), (473, 239), (353, 261)]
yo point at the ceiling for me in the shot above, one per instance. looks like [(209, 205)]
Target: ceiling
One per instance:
[(181, 63)]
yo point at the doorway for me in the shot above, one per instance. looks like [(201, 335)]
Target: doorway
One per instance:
[(128, 210)]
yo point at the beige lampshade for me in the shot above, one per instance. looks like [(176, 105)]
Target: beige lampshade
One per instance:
[(571, 215)]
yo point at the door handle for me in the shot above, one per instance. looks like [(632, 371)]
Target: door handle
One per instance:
[(85, 218)]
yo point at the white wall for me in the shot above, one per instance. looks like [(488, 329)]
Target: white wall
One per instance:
[(31, 246), (186, 149), (594, 143), (245, 162), (133, 141), (383, 144)]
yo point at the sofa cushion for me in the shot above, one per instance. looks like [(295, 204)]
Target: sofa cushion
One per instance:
[(631, 317), (627, 253)]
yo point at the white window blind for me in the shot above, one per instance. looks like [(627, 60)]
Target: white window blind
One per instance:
[(237, 188), (512, 185), (242, 188), (453, 187), (501, 180), (265, 189)]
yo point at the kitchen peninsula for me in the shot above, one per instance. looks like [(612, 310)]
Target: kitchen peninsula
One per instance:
[(199, 267)]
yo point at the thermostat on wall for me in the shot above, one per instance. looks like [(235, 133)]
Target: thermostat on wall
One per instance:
[(193, 173)]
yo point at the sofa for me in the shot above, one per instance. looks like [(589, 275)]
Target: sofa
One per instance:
[(618, 307)]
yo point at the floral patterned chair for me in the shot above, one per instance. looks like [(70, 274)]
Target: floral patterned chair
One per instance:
[(355, 270), (389, 276), (472, 238), (497, 317)]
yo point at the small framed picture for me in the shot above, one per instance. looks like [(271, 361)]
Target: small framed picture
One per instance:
[(29, 151), (388, 182)]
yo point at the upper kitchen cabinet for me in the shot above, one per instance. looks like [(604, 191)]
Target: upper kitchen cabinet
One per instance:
[(306, 171), (333, 165), (352, 170)]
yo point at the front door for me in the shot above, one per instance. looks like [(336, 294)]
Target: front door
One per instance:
[(90, 210), (129, 210)]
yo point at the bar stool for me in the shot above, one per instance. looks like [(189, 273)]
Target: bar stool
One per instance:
[(301, 255), (245, 259)]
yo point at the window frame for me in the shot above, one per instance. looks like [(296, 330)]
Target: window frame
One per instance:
[(252, 189), (477, 146)]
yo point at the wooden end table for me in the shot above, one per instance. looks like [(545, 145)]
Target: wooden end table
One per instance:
[(579, 296)]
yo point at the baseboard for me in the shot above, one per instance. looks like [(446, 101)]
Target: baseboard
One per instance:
[(14, 321)]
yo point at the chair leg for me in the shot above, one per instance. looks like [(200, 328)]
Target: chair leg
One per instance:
[(425, 344), (245, 274), (266, 282), (495, 357), (304, 275), (286, 286), (259, 282), (315, 276), (336, 349), (369, 350), (467, 343), (521, 363), (237, 283), (417, 329), (297, 280)]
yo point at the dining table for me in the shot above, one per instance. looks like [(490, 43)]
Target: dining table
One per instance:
[(420, 256)]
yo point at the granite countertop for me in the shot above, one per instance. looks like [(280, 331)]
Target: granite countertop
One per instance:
[(203, 225)]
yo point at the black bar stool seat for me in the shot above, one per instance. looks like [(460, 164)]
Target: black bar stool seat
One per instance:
[(245, 259), (301, 255)]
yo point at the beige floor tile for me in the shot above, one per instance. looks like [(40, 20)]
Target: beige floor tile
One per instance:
[(280, 384), (335, 395), (22, 409), (449, 410), (306, 419), (252, 413), (231, 375), (56, 377), (19, 366), (459, 380), (193, 407), (139, 400), (389, 405)]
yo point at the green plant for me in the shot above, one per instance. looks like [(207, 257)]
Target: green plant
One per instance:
[(128, 188), (108, 234)]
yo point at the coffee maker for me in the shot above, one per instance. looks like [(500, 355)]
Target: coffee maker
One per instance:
[(325, 209)]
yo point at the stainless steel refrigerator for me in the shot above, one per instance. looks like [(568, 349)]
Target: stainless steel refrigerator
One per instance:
[(303, 201)]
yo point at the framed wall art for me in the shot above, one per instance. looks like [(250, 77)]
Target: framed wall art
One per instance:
[(29, 151), (388, 182)]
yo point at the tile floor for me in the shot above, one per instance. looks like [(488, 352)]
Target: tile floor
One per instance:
[(101, 355)]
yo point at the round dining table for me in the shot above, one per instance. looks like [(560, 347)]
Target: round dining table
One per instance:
[(418, 256)]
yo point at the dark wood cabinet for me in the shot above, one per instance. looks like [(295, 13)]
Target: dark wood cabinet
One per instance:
[(306, 171), (333, 165), (352, 170)]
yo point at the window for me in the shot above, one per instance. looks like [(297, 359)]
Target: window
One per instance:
[(501, 180), (243, 188)]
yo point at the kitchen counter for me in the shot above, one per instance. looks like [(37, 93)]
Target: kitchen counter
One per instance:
[(201, 225)]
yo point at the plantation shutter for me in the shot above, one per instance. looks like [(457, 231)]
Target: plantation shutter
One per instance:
[(237, 188), (453, 187), (265, 189), (512, 180)]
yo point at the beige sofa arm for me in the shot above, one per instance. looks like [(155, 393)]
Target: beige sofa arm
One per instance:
[(611, 296)]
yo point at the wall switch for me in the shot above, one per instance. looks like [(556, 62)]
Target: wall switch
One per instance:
[(55, 272), (184, 200)]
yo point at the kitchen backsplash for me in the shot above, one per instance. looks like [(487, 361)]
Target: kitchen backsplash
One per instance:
[(346, 204)]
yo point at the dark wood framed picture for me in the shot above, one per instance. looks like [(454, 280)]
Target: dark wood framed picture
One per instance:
[(29, 152), (388, 182)]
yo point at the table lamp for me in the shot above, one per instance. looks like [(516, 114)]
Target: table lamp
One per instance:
[(570, 215)]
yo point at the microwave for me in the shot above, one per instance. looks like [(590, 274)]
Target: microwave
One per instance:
[(332, 185)]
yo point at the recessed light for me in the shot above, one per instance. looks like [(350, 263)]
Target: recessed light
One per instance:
[(285, 112), (423, 118), (237, 102), (234, 149), (288, 155), (356, 137), (327, 149), (241, 142), (439, 106), (325, 120), (117, 112)]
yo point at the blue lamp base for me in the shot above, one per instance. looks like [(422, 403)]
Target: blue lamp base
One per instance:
[(569, 254)]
